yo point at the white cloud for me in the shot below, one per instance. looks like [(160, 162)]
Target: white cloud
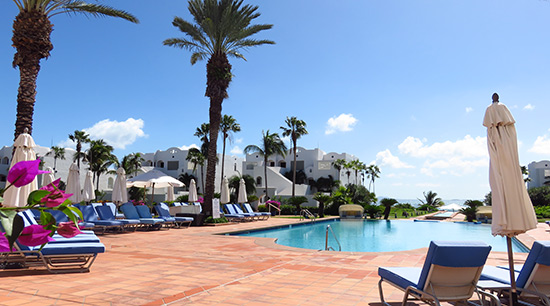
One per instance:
[(342, 123), (117, 134), (541, 145), (385, 158), (529, 107), (455, 158), (236, 150), (238, 140), (469, 109), (427, 185), (184, 147)]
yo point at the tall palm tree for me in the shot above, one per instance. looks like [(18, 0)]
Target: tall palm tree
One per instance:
[(100, 157), (357, 166), (373, 172), (387, 203), (57, 152), (228, 125), (79, 137), (295, 128), (31, 38), (221, 28), (339, 165), (271, 144), (234, 183), (195, 156)]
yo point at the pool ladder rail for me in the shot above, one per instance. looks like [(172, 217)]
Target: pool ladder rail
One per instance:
[(327, 247), (306, 214)]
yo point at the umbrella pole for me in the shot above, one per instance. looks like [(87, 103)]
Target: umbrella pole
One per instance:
[(513, 291), (153, 194)]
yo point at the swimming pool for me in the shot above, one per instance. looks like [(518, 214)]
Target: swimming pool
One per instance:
[(446, 214), (381, 235)]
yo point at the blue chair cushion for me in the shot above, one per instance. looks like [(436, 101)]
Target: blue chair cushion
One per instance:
[(143, 211), (129, 211), (539, 254), (497, 274), (454, 254), (72, 248), (401, 276)]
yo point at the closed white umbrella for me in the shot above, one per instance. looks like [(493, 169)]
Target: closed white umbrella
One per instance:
[(225, 192), (17, 196), (170, 194), (73, 184), (242, 198), (120, 194), (88, 193), (193, 196), (48, 178), (513, 211)]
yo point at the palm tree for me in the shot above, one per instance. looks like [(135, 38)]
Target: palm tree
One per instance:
[(57, 152), (387, 203), (373, 173), (271, 144), (79, 137), (186, 179), (295, 129), (323, 199), (249, 183), (227, 126), (339, 165), (222, 28), (131, 163), (357, 166), (31, 38), (100, 157), (195, 156), (431, 199), (202, 132)]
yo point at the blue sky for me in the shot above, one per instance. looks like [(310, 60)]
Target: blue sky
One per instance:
[(403, 84)]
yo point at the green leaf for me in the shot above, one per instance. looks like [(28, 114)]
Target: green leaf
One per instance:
[(47, 220), (7, 217), (17, 228), (36, 196)]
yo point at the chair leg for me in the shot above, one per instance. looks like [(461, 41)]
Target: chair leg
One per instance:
[(381, 292)]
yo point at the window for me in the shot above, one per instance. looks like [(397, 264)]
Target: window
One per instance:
[(160, 164), (5, 160), (282, 164), (2, 178), (546, 173), (110, 183), (173, 165), (299, 165), (259, 181), (250, 166)]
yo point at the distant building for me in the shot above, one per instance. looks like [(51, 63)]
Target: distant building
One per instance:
[(539, 173), (311, 164)]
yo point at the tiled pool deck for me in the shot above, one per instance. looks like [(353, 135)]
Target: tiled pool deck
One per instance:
[(194, 267)]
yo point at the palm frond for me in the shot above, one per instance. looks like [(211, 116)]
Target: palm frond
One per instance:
[(94, 10)]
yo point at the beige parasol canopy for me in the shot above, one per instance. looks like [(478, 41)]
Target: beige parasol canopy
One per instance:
[(120, 194), (242, 198), (73, 184), (193, 196), (224, 199), (24, 151), (48, 178), (88, 193)]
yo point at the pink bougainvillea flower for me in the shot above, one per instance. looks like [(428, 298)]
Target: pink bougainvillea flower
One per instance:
[(34, 235), (68, 229), (24, 172), (201, 200), (55, 198), (4, 244), (53, 186)]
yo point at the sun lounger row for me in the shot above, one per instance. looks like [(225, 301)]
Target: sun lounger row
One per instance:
[(455, 271), (234, 212)]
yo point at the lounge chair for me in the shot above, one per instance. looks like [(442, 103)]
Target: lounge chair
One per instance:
[(532, 280), (450, 273), (248, 209), (86, 236), (232, 217), (106, 213), (164, 213), (233, 210), (90, 215), (114, 210), (131, 212), (57, 256)]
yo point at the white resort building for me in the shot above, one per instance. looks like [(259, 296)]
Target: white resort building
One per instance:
[(539, 173), (314, 170)]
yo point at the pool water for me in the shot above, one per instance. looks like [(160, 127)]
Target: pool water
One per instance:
[(381, 235), (446, 214)]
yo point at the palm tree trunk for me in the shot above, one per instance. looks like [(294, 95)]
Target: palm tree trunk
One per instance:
[(218, 76), (223, 162), (31, 38), (294, 169), (265, 176)]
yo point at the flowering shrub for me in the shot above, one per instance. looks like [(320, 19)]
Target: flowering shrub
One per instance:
[(47, 197), (274, 203), (137, 202), (201, 200)]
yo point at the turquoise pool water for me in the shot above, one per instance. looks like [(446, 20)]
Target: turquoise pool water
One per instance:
[(381, 235), (446, 214)]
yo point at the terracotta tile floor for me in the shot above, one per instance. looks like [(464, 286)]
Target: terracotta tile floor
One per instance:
[(194, 267)]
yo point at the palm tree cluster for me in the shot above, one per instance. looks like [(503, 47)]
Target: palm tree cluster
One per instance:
[(371, 171)]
